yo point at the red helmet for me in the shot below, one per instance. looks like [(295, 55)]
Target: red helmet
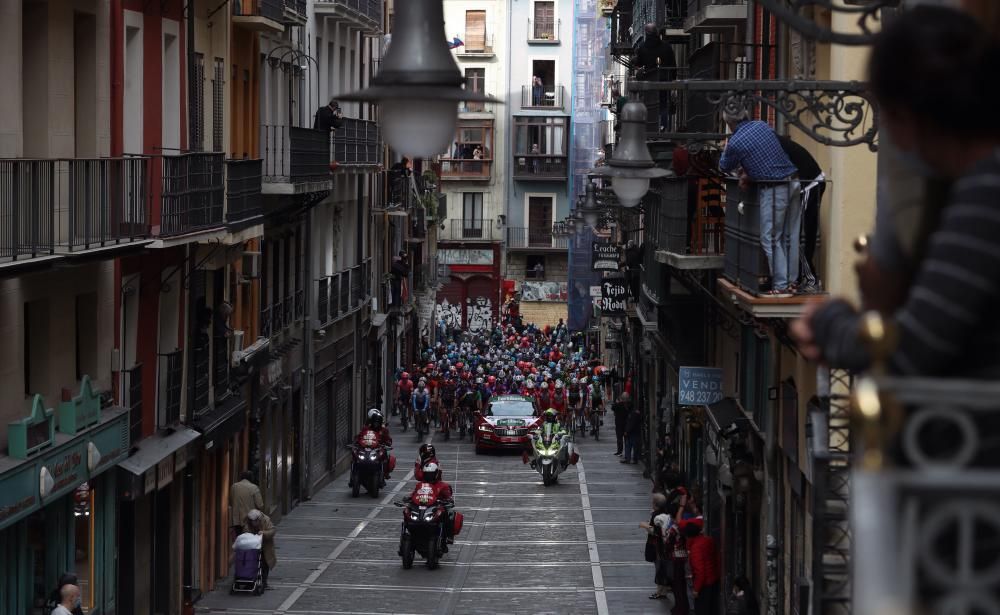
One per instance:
[(405, 376), (430, 366), (491, 379), (460, 365)]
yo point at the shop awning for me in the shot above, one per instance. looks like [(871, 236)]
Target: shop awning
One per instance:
[(155, 449), (724, 413)]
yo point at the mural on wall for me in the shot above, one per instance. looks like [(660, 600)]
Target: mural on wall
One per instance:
[(543, 291), (451, 315), (480, 314)]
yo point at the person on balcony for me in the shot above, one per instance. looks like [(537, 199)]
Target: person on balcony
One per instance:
[(801, 268), (537, 91), (655, 61), (754, 147), (536, 162), (329, 117)]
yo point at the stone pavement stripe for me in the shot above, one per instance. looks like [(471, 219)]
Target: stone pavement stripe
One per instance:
[(520, 589), (311, 579), (482, 543), (469, 523), (533, 564), (595, 558)]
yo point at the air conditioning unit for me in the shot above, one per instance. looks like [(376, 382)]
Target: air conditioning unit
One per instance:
[(237, 347), (251, 265)]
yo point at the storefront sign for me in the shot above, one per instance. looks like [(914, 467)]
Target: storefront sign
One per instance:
[(699, 386), (112, 442), (614, 297), (68, 467), (465, 257), (605, 256), (18, 493), (81, 411)]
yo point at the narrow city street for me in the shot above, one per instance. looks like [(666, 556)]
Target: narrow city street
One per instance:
[(571, 548)]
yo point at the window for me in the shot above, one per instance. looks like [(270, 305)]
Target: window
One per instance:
[(471, 155), (544, 27), (540, 136), (475, 31), (36, 345), (472, 214), (535, 267), (475, 81), (86, 335), (198, 113), (540, 221)]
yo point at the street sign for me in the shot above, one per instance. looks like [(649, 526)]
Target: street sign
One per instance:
[(605, 256), (700, 386), (614, 297)]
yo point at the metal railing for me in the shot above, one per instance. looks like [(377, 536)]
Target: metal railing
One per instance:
[(543, 97), (277, 317), (540, 166), (243, 189), (169, 379), (270, 9), (199, 378), (295, 155), (295, 11), (220, 367), (418, 224), (342, 292), (693, 6), (470, 229), (66, 205), (531, 237), (133, 389), (464, 169), (357, 143), (688, 216), (543, 31), (367, 12), (265, 321), (193, 192)]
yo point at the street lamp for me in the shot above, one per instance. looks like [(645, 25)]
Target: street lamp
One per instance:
[(590, 208), (418, 85), (631, 167)]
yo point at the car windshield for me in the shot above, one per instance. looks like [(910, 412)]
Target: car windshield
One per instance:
[(512, 408)]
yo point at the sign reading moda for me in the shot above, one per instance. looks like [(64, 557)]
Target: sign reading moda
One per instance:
[(605, 256), (700, 386), (614, 297)]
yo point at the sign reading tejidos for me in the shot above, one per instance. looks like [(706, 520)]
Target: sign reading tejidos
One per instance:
[(699, 386), (614, 297), (605, 256)]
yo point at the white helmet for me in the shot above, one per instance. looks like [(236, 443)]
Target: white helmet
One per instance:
[(374, 412), (559, 384), (531, 384)]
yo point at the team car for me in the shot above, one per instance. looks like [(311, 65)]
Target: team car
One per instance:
[(506, 423)]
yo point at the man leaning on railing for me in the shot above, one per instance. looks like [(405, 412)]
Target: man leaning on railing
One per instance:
[(329, 117)]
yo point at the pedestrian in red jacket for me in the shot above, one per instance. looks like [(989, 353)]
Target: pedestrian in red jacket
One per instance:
[(704, 560)]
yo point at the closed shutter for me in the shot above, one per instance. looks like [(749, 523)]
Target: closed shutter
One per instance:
[(545, 20), (342, 410), (322, 428), (475, 31)]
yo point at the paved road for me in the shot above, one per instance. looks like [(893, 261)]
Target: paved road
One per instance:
[(570, 548)]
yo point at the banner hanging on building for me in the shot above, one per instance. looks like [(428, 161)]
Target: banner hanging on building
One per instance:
[(700, 386), (614, 297), (605, 256)]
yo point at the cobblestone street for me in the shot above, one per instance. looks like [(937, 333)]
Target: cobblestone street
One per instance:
[(571, 548)]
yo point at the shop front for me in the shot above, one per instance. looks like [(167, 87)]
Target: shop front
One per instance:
[(58, 503)]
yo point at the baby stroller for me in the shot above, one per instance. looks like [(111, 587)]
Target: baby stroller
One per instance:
[(247, 577)]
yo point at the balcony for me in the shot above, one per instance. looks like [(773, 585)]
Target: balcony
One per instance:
[(133, 402), (365, 14), (259, 15), (193, 193), (57, 208), (357, 144), (543, 32), (470, 230), (296, 160), (746, 274), (688, 222), (456, 169), (244, 199), (295, 13), (168, 382), (714, 15), (535, 239), (220, 367), (340, 294), (546, 97), (540, 167), (476, 46)]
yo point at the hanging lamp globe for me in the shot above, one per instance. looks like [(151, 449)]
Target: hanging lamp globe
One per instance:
[(419, 85), (631, 167), (590, 208)]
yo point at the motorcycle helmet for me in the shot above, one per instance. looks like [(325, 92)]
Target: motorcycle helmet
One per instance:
[(427, 452), (550, 416), (432, 473), (531, 385), (559, 384), (375, 418), (405, 376)]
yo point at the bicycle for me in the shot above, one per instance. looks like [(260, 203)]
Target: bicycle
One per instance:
[(404, 413), (596, 419)]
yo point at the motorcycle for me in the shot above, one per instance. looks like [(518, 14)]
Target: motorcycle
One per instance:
[(423, 531), (369, 461), (552, 455)]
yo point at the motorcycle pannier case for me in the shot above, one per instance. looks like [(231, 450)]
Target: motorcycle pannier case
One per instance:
[(457, 527), (392, 462)]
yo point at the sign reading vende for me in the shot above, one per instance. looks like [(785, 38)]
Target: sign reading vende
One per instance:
[(605, 256), (614, 297), (700, 386)]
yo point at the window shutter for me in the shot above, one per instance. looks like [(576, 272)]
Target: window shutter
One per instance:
[(475, 31)]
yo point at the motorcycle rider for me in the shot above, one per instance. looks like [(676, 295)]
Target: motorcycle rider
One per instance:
[(375, 423), (444, 495), (425, 455), (550, 428)]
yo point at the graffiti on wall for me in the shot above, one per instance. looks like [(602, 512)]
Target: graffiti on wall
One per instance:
[(450, 315), (480, 313)]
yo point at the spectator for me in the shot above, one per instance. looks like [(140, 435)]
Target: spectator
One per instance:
[(927, 73), (742, 600), (536, 162), (69, 600), (755, 148), (621, 409), (329, 117), (537, 91), (539, 271), (704, 559), (656, 548), (633, 436), (244, 496), (801, 267), (259, 523), (56, 597)]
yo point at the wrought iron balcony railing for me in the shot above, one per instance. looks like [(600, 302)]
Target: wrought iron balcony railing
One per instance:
[(199, 378), (455, 169), (133, 402), (689, 216), (357, 143), (295, 12), (268, 9), (265, 321), (294, 155), (470, 229), (168, 380), (220, 367), (193, 192), (243, 189), (365, 13), (543, 32), (340, 293), (61, 206), (540, 167), (543, 97), (520, 237)]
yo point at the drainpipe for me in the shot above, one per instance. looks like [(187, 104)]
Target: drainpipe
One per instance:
[(308, 363), (191, 77), (772, 486)]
